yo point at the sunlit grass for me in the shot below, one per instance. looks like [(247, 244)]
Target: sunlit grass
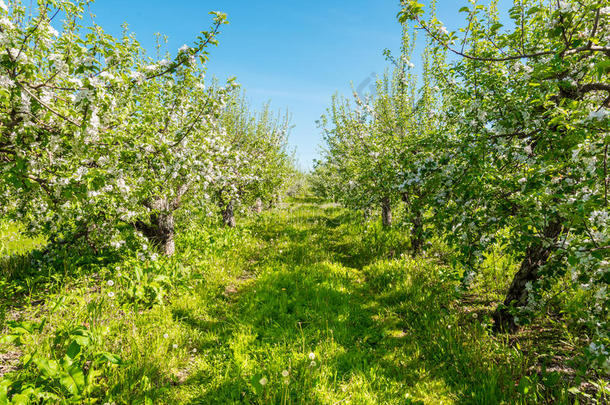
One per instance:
[(303, 304)]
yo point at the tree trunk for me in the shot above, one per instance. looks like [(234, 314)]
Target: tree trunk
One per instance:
[(228, 214), (258, 206), (386, 211), (536, 256), (160, 231), (417, 236)]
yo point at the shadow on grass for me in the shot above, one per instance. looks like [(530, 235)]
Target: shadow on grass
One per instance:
[(30, 277), (395, 338)]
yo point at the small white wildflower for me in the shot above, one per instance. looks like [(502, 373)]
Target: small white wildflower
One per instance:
[(312, 364), (165, 336), (194, 350), (312, 356), (110, 283), (263, 381), (175, 346), (110, 294), (475, 315), (285, 373)]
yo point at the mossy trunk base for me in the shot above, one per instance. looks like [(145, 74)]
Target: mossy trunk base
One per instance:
[(536, 256)]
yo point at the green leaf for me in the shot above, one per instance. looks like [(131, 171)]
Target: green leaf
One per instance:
[(109, 357), (9, 339), (73, 349), (256, 383), (21, 399), (4, 386), (496, 27), (73, 379), (602, 68), (49, 368)]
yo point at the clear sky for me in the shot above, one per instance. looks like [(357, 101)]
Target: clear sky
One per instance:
[(294, 54)]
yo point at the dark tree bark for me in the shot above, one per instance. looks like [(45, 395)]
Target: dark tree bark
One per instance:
[(417, 234), (386, 211), (228, 214), (160, 228), (536, 256), (160, 231)]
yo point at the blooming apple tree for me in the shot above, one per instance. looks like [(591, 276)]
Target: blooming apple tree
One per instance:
[(529, 110), (258, 163), (95, 137)]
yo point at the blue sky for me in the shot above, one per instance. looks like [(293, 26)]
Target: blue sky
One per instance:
[(294, 54)]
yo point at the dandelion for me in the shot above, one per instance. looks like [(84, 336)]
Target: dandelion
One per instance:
[(263, 381), (312, 364), (312, 356), (285, 373), (110, 283), (475, 315), (110, 294), (165, 336), (194, 350)]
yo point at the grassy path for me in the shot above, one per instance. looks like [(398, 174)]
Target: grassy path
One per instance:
[(380, 329), (305, 304)]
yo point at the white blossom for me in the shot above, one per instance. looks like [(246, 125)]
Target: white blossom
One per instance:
[(6, 82)]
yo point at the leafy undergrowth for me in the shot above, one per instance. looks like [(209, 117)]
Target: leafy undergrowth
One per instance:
[(304, 304)]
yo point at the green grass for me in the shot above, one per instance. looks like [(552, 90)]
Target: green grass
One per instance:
[(236, 306), (14, 249)]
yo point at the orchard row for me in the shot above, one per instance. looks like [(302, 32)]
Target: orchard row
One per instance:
[(500, 143), (101, 144)]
